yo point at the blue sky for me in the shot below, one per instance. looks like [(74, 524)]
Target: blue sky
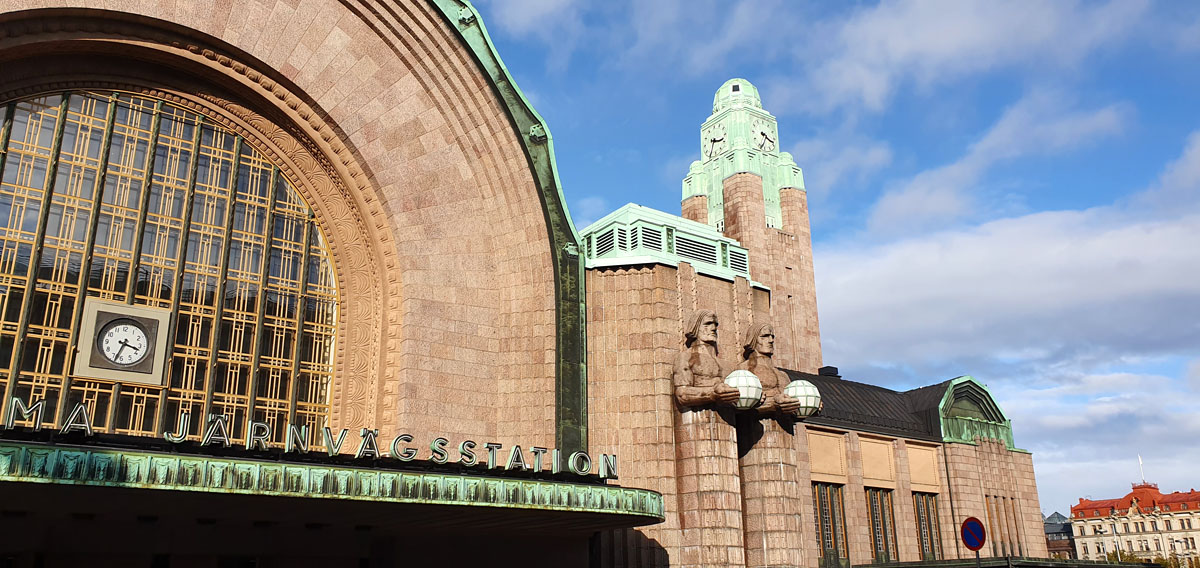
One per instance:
[(1009, 190)]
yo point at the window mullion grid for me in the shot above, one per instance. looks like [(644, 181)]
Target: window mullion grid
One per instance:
[(890, 528), (181, 259), (261, 308), (5, 135), (219, 313), (144, 206), (301, 301), (14, 371), (86, 265)]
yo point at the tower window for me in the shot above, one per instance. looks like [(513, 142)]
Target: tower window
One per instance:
[(737, 88)]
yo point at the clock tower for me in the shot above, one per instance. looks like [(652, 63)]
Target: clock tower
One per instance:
[(751, 191)]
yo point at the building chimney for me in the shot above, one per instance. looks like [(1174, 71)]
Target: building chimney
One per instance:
[(829, 371)]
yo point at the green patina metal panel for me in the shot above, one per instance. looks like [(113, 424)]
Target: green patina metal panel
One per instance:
[(32, 463), (740, 123), (968, 412), (635, 234), (531, 130)]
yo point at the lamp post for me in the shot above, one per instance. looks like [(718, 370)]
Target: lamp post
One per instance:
[(1102, 532)]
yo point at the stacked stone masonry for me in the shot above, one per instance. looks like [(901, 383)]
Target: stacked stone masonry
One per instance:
[(455, 333), (635, 314)]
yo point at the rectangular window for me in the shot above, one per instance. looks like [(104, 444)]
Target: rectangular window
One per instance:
[(1168, 523), (1125, 527), (928, 531), (1099, 548), (831, 524), (883, 525), (1154, 525)]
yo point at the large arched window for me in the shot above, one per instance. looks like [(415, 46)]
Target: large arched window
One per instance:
[(127, 199)]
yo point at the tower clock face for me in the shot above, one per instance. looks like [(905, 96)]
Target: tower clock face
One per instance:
[(762, 136), (124, 342), (713, 141)]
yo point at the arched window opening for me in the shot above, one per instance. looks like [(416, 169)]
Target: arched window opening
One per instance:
[(125, 199)]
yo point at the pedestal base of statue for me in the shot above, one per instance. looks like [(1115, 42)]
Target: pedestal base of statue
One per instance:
[(770, 493), (710, 494)]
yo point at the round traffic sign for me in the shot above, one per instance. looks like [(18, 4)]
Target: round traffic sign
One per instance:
[(973, 534)]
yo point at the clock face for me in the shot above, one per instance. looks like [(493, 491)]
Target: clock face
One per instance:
[(714, 141), (124, 342), (762, 136)]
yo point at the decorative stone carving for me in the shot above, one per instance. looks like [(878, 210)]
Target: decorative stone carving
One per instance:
[(699, 373), (768, 461), (758, 349)]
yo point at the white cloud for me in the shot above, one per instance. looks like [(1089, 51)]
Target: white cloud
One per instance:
[(827, 162), (875, 50), (587, 210), (1178, 188), (559, 22), (1100, 423), (1059, 283), (1040, 123), (1066, 314)]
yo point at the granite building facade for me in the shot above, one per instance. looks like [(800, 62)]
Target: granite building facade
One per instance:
[(291, 282)]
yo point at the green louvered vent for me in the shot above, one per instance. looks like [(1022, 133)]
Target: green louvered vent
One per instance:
[(692, 249), (738, 261), (651, 239), (639, 235)]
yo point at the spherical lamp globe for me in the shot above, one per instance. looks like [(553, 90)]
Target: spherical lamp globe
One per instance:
[(748, 386), (807, 393)]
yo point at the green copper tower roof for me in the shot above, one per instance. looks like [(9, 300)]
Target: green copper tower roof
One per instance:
[(736, 92), (741, 137)]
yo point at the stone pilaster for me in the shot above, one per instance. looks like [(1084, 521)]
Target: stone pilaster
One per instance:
[(696, 208), (770, 493)]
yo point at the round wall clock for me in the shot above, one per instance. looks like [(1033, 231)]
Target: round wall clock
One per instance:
[(124, 342), (762, 135), (713, 142)]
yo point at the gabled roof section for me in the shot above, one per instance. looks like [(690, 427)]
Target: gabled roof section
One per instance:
[(866, 408), (1057, 517), (968, 412), (960, 410), (968, 398), (1144, 496)]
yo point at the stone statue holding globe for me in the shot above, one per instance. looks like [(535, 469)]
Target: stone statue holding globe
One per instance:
[(699, 373)]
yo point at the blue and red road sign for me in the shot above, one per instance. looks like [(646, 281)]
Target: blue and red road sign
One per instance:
[(973, 534)]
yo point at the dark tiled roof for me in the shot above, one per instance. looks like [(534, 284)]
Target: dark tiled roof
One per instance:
[(1057, 517), (868, 408)]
